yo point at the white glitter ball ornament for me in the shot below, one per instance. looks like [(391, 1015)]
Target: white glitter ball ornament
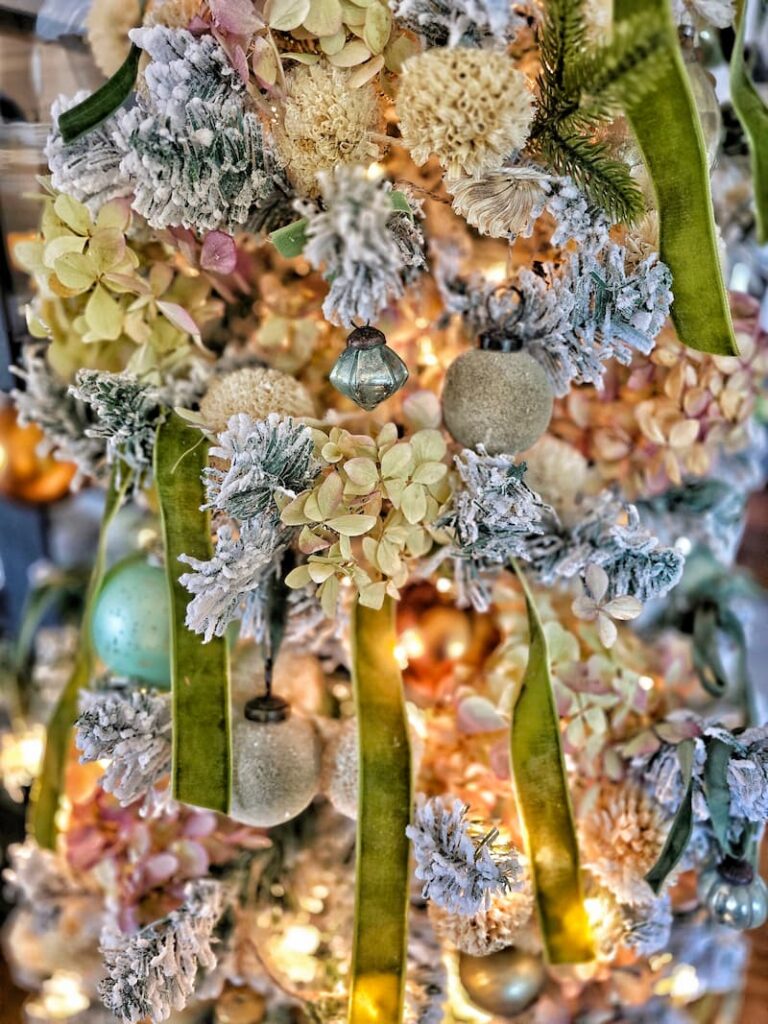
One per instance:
[(276, 765)]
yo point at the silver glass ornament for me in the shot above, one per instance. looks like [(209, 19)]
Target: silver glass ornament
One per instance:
[(503, 983), (735, 894), (276, 764), (368, 371)]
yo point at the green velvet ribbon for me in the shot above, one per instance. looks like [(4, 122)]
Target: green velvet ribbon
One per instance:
[(753, 115), (202, 748), (544, 803), (101, 104), (377, 976), (49, 786), (668, 131)]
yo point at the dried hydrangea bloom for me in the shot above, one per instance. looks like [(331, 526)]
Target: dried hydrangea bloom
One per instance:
[(256, 391), (673, 416), (323, 123), (621, 837), (472, 109)]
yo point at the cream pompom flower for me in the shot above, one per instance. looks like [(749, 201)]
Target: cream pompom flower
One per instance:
[(593, 607), (323, 123), (471, 108), (257, 392)]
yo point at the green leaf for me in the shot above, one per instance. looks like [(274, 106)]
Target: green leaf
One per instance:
[(104, 102), (544, 804), (72, 213), (378, 26), (753, 115), (202, 749), (49, 786), (75, 271), (718, 792), (104, 315), (668, 131), (377, 978), (323, 18), (679, 833), (352, 525), (286, 15), (290, 240)]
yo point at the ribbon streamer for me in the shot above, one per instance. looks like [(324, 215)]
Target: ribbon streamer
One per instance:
[(668, 131), (544, 803), (384, 808), (679, 834), (202, 747), (753, 115), (48, 788)]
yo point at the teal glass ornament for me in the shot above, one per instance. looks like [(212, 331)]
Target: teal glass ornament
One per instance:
[(131, 622), (735, 894), (368, 371)]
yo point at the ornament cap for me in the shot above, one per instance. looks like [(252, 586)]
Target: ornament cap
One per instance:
[(267, 708), (366, 337), (736, 871)]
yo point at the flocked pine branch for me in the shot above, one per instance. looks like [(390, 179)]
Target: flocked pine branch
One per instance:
[(126, 413), (193, 150), (460, 867), (608, 534), (494, 512), (359, 241), (583, 86), (233, 584), (66, 422), (573, 318), (132, 731), (153, 972), (265, 458), (485, 23)]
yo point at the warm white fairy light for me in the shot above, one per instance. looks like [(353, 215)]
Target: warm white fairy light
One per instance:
[(20, 756), (61, 998)]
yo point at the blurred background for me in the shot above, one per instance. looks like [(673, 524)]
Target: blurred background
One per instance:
[(46, 532)]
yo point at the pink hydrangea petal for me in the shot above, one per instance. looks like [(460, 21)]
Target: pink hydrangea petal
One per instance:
[(219, 253)]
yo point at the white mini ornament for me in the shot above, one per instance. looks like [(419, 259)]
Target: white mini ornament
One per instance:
[(276, 765), (501, 400)]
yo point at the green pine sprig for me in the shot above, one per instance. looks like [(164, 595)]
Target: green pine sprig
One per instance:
[(583, 86)]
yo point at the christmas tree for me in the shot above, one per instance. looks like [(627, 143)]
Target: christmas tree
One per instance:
[(410, 680)]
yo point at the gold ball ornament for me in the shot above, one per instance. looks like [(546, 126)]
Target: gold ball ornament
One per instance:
[(256, 391), (503, 983), (501, 400)]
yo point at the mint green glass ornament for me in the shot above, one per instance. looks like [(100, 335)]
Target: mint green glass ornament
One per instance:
[(130, 626), (735, 894), (368, 371)]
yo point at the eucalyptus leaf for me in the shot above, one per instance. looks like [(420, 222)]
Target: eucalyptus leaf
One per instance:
[(679, 834)]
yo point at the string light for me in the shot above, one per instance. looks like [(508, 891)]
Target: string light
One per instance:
[(62, 998)]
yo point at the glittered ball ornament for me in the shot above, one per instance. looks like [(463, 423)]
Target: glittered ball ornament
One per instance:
[(503, 983), (130, 625), (338, 779), (735, 894), (501, 400), (368, 371), (276, 764)]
